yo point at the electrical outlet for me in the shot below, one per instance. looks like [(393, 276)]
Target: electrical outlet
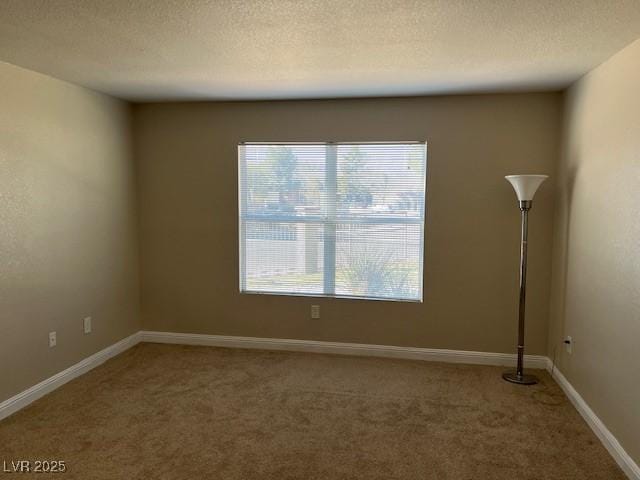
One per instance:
[(87, 325), (53, 340), (568, 345), (315, 311)]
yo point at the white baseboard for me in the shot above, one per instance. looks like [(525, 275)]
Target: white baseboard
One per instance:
[(610, 442), (359, 349), (28, 396)]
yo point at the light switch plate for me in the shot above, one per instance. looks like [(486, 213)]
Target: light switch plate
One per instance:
[(53, 339), (315, 311)]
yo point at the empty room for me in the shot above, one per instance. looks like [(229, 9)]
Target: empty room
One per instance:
[(320, 239)]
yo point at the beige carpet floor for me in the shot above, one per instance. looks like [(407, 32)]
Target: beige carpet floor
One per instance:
[(180, 412)]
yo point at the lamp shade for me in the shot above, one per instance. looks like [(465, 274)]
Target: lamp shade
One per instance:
[(526, 185)]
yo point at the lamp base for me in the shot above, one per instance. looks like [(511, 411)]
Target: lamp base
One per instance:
[(513, 377)]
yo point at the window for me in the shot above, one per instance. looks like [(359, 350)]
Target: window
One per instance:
[(332, 219)]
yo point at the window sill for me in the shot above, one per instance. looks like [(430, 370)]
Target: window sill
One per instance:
[(340, 297)]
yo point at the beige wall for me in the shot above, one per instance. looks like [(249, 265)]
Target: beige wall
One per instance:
[(596, 279), (68, 245), (187, 162)]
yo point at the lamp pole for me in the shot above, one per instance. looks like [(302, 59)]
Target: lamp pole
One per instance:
[(519, 376)]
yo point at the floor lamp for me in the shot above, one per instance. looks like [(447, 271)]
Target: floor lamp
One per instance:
[(525, 187)]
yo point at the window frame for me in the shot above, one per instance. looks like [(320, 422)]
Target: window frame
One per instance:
[(330, 220)]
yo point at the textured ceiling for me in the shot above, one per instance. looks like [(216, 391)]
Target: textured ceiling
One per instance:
[(147, 50)]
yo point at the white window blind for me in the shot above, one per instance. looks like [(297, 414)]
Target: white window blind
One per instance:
[(332, 219)]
